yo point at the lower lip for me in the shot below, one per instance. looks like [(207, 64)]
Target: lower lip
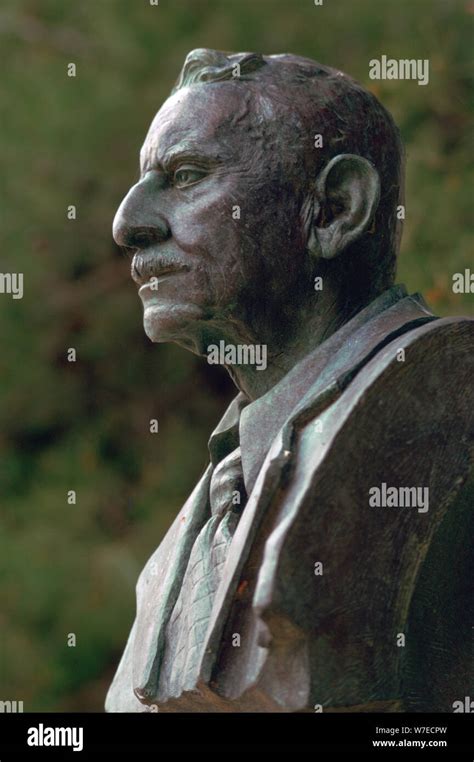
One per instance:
[(158, 279)]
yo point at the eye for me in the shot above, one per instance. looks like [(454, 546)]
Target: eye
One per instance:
[(188, 175)]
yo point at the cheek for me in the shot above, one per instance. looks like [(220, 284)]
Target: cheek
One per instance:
[(240, 235), (209, 226)]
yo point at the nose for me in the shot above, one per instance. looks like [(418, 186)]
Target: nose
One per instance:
[(138, 223)]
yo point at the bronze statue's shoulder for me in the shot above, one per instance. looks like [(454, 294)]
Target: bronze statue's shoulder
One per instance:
[(372, 477)]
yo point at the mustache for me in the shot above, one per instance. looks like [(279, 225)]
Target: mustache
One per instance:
[(149, 264)]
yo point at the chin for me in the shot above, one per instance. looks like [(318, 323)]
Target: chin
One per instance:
[(173, 323)]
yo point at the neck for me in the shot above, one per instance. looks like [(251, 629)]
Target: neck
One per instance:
[(285, 348)]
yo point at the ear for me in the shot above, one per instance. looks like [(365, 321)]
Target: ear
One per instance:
[(346, 196)]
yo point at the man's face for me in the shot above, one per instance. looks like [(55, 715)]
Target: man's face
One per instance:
[(215, 222)]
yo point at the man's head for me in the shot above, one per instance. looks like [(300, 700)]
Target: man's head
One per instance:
[(258, 174)]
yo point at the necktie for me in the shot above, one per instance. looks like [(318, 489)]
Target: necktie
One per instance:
[(189, 619)]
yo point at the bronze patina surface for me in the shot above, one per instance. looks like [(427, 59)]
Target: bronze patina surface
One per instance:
[(324, 560)]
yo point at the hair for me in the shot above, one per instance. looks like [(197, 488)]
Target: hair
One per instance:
[(309, 97)]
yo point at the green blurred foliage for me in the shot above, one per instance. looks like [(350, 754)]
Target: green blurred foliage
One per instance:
[(85, 425)]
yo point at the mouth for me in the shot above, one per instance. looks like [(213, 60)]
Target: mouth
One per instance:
[(160, 276), (147, 270)]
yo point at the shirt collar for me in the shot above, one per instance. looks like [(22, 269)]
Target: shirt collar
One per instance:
[(225, 436)]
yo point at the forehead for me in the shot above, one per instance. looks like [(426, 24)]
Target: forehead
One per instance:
[(202, 115)]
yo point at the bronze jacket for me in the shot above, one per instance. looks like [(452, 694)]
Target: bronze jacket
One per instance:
[(340, 605)]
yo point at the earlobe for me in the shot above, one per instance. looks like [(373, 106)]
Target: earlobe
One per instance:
[(346, 198)]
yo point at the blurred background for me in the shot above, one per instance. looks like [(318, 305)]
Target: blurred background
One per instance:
[(84, 426)]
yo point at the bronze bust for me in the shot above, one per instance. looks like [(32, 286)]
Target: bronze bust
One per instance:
[(323, 561)]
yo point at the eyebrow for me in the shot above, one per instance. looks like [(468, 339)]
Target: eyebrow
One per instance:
[(183, 150)]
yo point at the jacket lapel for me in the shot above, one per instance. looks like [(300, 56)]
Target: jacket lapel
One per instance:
[(158, 588)]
